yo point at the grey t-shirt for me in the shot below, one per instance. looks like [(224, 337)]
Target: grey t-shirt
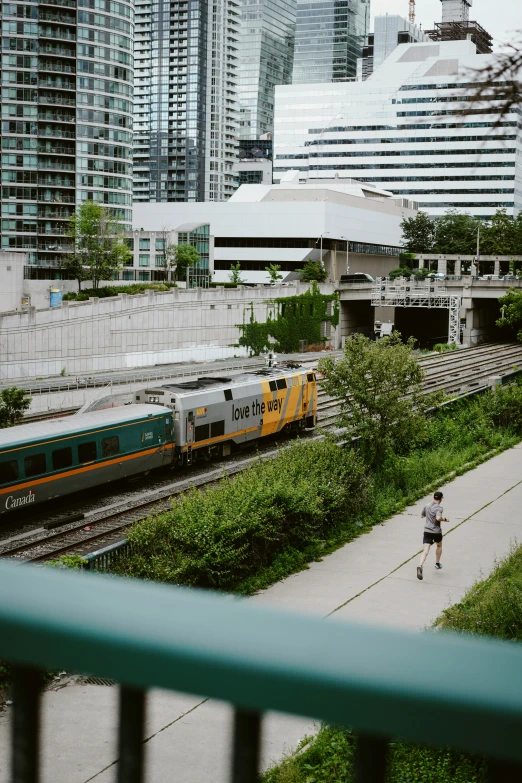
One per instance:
[(431, 511)]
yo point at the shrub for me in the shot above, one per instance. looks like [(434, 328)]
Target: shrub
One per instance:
[(114, 290), (283, 507)]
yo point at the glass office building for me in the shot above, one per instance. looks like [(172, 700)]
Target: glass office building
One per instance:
[(185, 119), (329, 37), (66, 133), (266, 58)]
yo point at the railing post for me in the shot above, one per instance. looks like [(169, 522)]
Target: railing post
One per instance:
[(246, 747), (370, 759), (131, 735), (27, 684)]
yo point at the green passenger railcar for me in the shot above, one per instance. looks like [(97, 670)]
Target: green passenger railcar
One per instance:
[(52, 458)]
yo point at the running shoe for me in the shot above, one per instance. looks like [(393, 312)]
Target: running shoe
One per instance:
[(438, 566), (419, 572)]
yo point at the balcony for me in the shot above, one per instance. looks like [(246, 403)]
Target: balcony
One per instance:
[(54, 16), (57, 100), (56, 198), (152, 636), (58, 51), (55, 165), (56, 133), (57, 67), (56, 33), (60, 3)]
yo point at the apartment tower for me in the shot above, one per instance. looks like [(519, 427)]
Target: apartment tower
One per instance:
[(66, 134), (186, 112)]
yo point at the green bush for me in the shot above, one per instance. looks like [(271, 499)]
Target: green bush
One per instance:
[(276, 515), (493, 607), (114, 290)]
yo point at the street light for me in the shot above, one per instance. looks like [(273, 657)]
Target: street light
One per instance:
[(347, 264), (321, 238), (477, 260)]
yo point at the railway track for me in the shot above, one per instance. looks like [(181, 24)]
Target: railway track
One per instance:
[(453, 373)]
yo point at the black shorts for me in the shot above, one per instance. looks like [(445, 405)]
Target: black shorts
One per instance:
[(432, 538)]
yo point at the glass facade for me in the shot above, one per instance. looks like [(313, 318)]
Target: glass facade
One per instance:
[(185, 113), (329, 37), (66, 131), (266, 56)]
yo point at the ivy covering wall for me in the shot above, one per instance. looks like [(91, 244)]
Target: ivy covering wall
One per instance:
[(289, 320)]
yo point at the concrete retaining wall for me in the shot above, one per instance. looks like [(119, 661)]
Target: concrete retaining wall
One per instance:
[(131, 331)]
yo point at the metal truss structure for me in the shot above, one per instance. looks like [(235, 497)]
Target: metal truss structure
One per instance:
[(409, 292)]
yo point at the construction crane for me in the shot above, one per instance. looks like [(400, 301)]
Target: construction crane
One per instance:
[(411, 11)]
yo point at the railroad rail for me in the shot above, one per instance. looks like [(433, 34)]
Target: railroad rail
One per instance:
[(465, 371)]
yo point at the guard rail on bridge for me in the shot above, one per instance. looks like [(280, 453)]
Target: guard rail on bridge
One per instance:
[(438, 689)]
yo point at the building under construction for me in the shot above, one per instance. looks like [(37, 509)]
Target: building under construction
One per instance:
[(456, 26)]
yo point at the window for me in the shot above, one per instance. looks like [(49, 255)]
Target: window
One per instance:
[(310, 377), (8, 471), (34, 465), (87, 452), (273, 385), (144, 260), (202, 432), (281, 383), (144, 244), (62, 458), (217, 428), (160, 244), (168, 428), (228, 394), (160, 261), (110, 446)]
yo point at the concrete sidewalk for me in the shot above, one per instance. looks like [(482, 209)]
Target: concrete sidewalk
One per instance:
[(372, 579)]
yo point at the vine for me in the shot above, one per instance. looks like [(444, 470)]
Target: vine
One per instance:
[(290, 319)]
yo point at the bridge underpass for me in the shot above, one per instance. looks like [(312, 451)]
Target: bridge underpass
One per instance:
[(478, 311)]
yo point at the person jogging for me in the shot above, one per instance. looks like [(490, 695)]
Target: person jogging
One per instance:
[(432, 513)]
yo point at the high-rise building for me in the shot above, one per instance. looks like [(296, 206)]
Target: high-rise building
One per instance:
[(456, 26), (329, 37), (266, 58), (389, 31), (67, 92), (185, 118), (411, 128)]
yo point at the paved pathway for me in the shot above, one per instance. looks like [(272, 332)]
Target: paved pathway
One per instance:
[(373, 579)]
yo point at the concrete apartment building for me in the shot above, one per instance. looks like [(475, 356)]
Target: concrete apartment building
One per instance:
[(403, 129), (390, 30)]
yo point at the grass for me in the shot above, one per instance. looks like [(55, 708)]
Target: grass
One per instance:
[(492, 607)]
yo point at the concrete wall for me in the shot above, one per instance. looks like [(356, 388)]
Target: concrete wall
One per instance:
[(11, 280), (131, 331)]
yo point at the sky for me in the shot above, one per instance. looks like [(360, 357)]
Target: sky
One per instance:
[(499, 18)]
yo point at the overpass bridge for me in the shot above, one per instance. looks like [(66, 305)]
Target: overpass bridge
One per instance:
[(462, 308)]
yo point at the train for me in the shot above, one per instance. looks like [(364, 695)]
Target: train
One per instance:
[(214, 416), (169, 425)]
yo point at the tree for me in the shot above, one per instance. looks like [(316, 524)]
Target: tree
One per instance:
[(511, 306), (418, 233), (313, 270), (273, 272), (13, 403), (379, 385), (99, 247), (178, 258), (498, 236), (456, 232), (235, 274), (499, 80)]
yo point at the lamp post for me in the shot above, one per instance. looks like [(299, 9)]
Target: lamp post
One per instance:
[(477, 260), (347, 262)]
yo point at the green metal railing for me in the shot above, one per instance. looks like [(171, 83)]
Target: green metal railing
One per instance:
[(438, 688)]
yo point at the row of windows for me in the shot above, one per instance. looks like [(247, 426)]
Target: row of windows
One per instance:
[(100, 20), (108, 134), (488, 191), (36, 464), (451, 204), (407, 140), (440, 178), (454, 86), (445, 112), (402, 153), (109, 6), (387, 166)]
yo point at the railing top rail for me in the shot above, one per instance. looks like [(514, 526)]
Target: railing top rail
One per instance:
[(375, 680)]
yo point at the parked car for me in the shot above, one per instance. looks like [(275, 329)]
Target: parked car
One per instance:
[(357, 277)]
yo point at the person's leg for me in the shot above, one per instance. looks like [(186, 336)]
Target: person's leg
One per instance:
[(438, 553), (425, 554)]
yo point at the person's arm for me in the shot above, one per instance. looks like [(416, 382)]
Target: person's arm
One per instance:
[(440, 518), (423, 512)]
